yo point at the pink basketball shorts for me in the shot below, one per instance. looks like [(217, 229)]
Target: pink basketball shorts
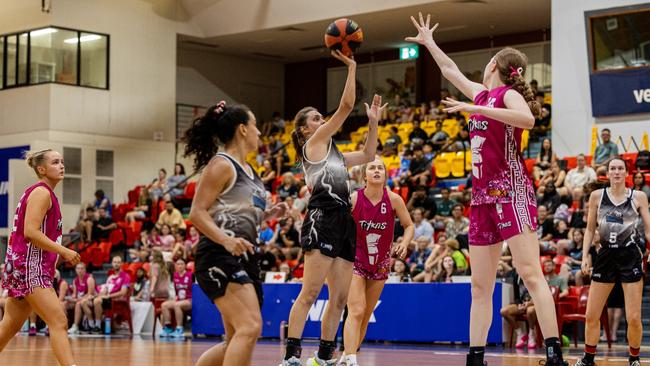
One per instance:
[(494, 223)]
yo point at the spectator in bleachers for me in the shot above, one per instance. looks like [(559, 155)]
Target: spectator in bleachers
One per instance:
[(438, 137), (447, 268), (555, 175), (179, 250), (427, 150), (420, 198), (560, 230), (542, 122), (102, 201), (172, 217), (422, 227), (445, 205), (545, 157), (289, 188), (267, 174), (191, 241), (402, 174), (176, 183), (419, 257), (85, 224), (578, 177), (116, 287), (417, 136), (457, 224), (182, 304), (160, 276), (277, 123), (268, 260), (83, 289), (459, 143), (141, 286), (265, 233), (545, 230), (533, 86), (159, 185), (573, 248), (356, 178), (393, 141), (277, 154), (434, 110), (143, 208), (521, 306), (287, 238), (142, 247), (638, 183), (165, 242), (400, 271), (453, 249), (419, 172), (103, 226), (605, 151), (553, 279), (550, 198)]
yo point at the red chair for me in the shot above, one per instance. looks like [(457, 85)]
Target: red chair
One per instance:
[(105, 248), (121, 309), (530, 163), (569, 313), (190, 266), (116, 237), (147, 267), (96, 256), (571, 162), (559, 260)]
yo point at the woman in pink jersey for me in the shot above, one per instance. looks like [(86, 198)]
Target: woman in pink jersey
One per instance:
[(182, 304), (503, 199), (374, 209), (83, 288), (34, 248)]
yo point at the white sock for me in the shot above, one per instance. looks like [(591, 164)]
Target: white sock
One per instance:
[(179, 327), (32, 325), (351, 359), (97, 323), (342, 359), (531, 335)]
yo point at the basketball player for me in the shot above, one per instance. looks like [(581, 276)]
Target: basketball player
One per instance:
[(328, 232), (503, 200), (228, 207), (83, 289), (34, 248), (614, 212), (373, 208), (183, 280)]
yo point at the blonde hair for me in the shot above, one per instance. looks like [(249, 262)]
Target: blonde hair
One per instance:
[(35, 159)]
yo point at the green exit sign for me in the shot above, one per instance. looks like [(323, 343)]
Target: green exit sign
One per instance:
[(407, 53)]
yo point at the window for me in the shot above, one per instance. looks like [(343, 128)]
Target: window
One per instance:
[(54, 55), (53, 59), (620, 40), (72, 181), (105, 185), (104, 163), (94, 50)]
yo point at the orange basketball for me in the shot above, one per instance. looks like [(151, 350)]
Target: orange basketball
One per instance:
[(343, 35)]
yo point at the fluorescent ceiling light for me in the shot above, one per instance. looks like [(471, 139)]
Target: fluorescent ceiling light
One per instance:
[(90, 37), (40, 32)]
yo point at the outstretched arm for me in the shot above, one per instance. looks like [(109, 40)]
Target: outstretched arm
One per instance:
[(329, 129), (448, 68), (370, 147), (516, 113)]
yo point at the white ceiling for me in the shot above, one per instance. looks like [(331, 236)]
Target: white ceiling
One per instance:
[(459, 20)]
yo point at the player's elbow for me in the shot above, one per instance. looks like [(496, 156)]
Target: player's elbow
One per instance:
[(529, 122)]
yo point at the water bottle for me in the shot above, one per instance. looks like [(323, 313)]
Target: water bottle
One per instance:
[(107, 325)]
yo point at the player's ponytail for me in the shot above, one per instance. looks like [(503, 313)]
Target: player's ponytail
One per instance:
[(297, 136), (217, 125), (512, 64)]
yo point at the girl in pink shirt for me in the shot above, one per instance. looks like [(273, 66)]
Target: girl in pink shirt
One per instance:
[(503, 199), (34, 248)]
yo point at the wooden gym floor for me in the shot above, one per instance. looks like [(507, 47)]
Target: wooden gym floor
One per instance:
[(127, 351)]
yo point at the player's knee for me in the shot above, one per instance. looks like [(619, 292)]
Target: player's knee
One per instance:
[(481, 291), (339, 301), (530, 273), (250, 330), (308, 296), (530, 311), (357, 310), (633, 319)]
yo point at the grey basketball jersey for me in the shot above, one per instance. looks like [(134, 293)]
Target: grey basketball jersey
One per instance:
[(238, 210), (328, 180), (617, 223)]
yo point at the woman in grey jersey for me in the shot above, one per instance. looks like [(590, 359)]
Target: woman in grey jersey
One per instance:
[(614, 212), (228, 207), (328, 231)]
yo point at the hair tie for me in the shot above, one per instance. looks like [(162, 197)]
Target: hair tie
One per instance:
[(518, 71), (221, 106)]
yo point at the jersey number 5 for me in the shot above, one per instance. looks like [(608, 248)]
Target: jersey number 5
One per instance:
[(612, 237)]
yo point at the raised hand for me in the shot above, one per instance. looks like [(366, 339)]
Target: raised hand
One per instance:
[(375, 110), (454, 106), (348, 61), (425, 34)]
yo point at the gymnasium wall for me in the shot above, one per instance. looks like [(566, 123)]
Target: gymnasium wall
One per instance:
[(572, 113), (204, 77)]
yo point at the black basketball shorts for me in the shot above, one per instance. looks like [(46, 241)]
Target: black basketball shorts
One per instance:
[(332, 231)]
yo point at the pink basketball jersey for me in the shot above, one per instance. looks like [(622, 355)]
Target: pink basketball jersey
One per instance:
[(27, 264), (183, 285), (375, 228), (498, 169), (81, 286)]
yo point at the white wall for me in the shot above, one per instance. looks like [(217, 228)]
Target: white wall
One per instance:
[(135, 162), (572, 115), (205, 77)]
